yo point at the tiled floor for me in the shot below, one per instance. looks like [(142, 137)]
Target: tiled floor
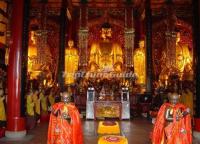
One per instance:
[(137, 131)]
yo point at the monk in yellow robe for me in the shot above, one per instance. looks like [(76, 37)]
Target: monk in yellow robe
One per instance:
[(65, 123), (43, 99), (2, 107), (36, 101), (51, 98), (30, 105), (187, 99)]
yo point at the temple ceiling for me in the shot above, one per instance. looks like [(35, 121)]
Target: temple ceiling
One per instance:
[(112, 10), (182, 6)]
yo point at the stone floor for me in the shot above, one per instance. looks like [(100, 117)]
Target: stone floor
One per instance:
[(137, 131)]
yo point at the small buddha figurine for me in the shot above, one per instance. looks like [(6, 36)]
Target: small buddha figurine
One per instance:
[(173, 123)]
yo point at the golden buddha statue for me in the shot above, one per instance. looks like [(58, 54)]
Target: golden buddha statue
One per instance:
[(32, 52), (183, 56), (105, 55), (140, 64), (71, 62), (39, 56)]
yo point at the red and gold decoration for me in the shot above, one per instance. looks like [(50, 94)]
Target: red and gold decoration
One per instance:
[(176, 56), (108, 109), (3, 22)]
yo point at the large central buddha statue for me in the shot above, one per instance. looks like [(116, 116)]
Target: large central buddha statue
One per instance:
[(105, 55)]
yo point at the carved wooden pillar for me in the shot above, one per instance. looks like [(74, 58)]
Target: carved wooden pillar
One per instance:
[(62, 38), (83, 37), (129, 35), (148, 46), (170, 48), (25, 55), (170, 36), (196, 36)]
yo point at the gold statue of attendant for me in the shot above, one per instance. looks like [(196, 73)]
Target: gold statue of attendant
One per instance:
[(71, 62), (139, 63)]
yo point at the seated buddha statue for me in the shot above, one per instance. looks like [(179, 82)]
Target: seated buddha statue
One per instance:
[(105, 55), (139, 63), (71, 62)]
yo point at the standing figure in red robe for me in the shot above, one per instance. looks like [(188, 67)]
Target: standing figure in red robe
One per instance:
[(65, 123), (173, 123)]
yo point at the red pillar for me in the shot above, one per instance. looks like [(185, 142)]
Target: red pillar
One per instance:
[(15, 123)]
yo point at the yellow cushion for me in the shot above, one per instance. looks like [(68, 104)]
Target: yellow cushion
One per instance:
[(108, 127), (112, 139)]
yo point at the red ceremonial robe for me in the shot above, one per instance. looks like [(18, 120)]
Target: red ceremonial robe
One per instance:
[(177, 132), (60, 131)]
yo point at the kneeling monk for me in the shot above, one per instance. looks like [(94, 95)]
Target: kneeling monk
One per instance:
[(65, 123)]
